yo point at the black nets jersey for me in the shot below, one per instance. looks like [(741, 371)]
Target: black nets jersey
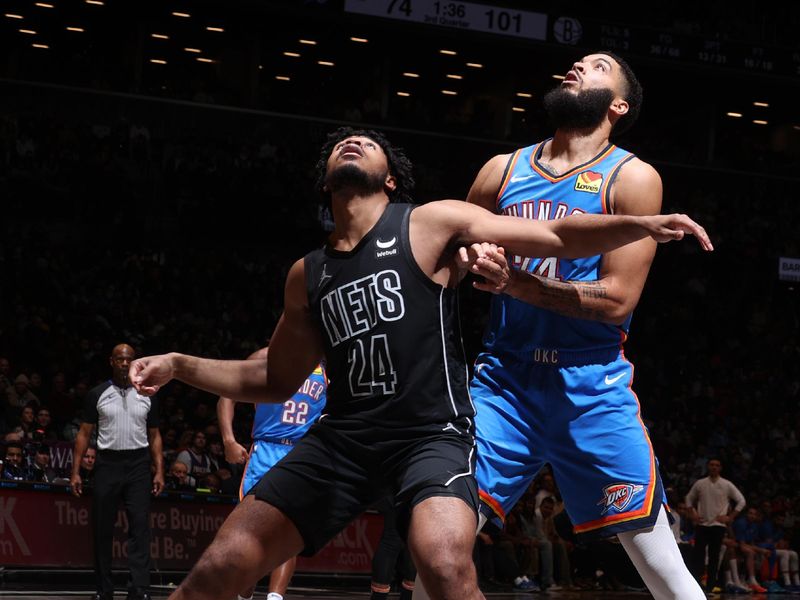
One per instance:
[(392, 337)]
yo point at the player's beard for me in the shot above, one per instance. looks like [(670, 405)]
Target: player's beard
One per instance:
[(584, 110), (352, 177)]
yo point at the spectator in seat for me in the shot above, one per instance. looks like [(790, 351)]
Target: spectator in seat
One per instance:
[(545, 488), (24, 429), (41, 470), (746, 531), (87, 466), (19, 395), (216, 453), (14, 467), (196, 457), (730, 564), (43, 427), (531, 521), (787, 557), (179, 478)]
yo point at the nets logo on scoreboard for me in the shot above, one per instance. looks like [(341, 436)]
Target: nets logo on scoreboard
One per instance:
[(788, 269)]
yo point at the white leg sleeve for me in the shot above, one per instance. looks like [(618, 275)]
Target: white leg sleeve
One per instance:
[(783, 560), (656, 556), (420, 593), (793, 561), (734, 564)]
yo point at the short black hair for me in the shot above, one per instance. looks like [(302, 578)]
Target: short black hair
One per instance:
[(633, 94), (399, 164), (15, 444)]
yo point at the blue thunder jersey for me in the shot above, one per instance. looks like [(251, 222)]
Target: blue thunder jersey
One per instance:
[(291, 420), (530, 192)]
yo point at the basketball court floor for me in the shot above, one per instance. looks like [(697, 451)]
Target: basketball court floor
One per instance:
[(55, 584), (30, 592)]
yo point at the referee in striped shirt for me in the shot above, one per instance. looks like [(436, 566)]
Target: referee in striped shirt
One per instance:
[(127, 440)]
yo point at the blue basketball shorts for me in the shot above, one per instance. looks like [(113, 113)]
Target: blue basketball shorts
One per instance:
[(263, 456), (585, 421)]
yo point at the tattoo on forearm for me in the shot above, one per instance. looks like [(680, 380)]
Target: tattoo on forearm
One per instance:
[(567, 298), (591, 290)]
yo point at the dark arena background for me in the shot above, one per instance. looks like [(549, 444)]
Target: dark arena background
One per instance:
[(157, 181)]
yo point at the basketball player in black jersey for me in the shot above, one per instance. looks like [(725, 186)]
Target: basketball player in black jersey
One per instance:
[(378, 302)]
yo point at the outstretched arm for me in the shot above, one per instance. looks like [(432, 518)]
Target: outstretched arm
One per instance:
[(614, 295), (296, 350), (575, 236), (235, 453), (242, 379)]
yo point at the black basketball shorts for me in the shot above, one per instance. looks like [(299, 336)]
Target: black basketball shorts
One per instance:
[(329, 478)]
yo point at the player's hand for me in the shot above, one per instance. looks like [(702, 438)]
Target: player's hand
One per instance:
[(235, 453), (488, 261), (158, 483), (76, 485), (149, 373), (665, 228), (466, 256)]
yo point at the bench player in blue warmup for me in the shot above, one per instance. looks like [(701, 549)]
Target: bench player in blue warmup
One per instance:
[(378, 302), (553, 385), (276, 429)]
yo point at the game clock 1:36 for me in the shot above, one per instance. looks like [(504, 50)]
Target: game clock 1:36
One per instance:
[(450, 9)]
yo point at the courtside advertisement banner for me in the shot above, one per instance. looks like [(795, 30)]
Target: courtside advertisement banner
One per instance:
[(45, 526)]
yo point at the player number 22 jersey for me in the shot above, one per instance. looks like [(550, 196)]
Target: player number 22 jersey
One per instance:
[(292, 419)]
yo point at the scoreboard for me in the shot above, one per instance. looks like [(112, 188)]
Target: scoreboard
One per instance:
[(459, 15), (627, 40)]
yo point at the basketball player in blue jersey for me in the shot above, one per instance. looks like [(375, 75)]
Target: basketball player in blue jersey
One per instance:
[(378, 302), (276, 429), (553, 385)]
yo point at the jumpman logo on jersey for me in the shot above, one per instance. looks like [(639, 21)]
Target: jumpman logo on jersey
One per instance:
[(452, 427), (324, 275)]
